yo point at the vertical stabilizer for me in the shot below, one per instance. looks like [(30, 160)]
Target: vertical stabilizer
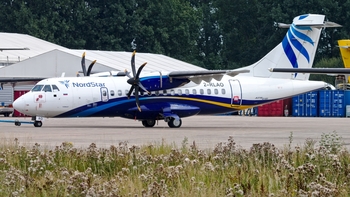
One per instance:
[(344, 46), (297, 49)]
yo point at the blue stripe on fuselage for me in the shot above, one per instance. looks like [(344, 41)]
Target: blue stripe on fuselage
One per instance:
[(118, 106)]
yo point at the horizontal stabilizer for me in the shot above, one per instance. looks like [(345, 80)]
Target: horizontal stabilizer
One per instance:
[(312, 70), (325, 24)]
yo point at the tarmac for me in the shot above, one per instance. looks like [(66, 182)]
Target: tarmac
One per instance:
[(205, 131)]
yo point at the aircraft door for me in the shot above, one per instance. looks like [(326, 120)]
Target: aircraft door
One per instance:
[(236, 92), (104, 94)]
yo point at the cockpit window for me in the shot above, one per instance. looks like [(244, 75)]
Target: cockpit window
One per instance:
[(37, 88), (55, 88), (47, 88)]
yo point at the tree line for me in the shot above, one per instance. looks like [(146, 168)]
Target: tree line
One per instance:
[(214, 34)]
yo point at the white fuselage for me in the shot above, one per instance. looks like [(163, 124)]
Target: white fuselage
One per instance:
[(94, 96)]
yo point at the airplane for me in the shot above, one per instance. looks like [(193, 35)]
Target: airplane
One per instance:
[(151, 96)]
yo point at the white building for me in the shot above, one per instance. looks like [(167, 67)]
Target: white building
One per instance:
[(44, 59)]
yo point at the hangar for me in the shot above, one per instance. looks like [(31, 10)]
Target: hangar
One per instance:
[(43, 59)]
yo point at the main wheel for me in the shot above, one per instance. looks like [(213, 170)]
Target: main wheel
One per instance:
[(38, 124), (173, 123), (148, 123)]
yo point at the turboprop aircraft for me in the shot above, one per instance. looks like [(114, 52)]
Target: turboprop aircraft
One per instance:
[(171, 96)]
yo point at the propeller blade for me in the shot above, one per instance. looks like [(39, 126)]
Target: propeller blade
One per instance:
[(127, 73), (83, 64), (90, 68), (133, 64), (130, 91), (142, 87), (137, 98), (139, 70)]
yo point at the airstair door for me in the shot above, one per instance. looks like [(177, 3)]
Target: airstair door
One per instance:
[(236, 92)]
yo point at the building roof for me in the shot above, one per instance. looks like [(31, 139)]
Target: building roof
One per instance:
[(112, 60)]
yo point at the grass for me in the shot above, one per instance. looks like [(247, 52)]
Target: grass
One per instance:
[(165, 170)]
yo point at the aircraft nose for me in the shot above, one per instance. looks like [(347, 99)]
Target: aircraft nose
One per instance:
[(19, 104)]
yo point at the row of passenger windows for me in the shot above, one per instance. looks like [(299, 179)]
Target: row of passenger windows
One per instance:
[(178, 92), (54, 88)]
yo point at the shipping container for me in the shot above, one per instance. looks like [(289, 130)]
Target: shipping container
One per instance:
[(276, 108), (325, 100), (305, 105), (338, 105), (331, 103)]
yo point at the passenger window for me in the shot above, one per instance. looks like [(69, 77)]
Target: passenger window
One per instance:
[(194, 91), (55, 88), (172, 92), (119, 92), (112, 92), (126, 92), (179, 92), (104, 93), (37, 88), (201, 91), (223, 91), (216, 91), (165, 92), (47, 88), (157, 93), (209, 91), (187, 92)]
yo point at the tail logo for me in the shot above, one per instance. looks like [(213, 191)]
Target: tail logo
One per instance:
[(294, 38)]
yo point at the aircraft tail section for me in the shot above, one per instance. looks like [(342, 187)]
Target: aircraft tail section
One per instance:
[(297, 49), (344, 46)]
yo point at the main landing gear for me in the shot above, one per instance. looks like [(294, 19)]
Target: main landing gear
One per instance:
[(172, 123)]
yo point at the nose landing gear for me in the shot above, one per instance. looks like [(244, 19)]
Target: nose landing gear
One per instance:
[(37, 121)]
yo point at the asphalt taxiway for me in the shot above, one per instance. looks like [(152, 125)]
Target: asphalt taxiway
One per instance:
[(205, 131)]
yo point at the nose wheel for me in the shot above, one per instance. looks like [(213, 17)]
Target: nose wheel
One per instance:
[(38, 123)]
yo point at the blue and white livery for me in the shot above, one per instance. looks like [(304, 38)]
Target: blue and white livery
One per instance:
[(171, 96)]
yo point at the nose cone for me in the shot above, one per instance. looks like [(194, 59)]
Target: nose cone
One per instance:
[(19, 104)]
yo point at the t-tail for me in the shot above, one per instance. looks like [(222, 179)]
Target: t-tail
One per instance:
[(297, 49)]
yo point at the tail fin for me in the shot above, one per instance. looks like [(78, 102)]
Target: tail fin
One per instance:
[(297, 49), (344, 46)]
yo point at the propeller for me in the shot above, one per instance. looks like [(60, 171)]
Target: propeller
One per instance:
[(88, 72), (135, 80)]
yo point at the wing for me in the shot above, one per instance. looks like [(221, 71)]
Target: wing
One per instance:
[(312, 70), (206, 75)]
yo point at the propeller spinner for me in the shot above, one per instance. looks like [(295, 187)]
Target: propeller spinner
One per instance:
[(88, 72), (135, 80)]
